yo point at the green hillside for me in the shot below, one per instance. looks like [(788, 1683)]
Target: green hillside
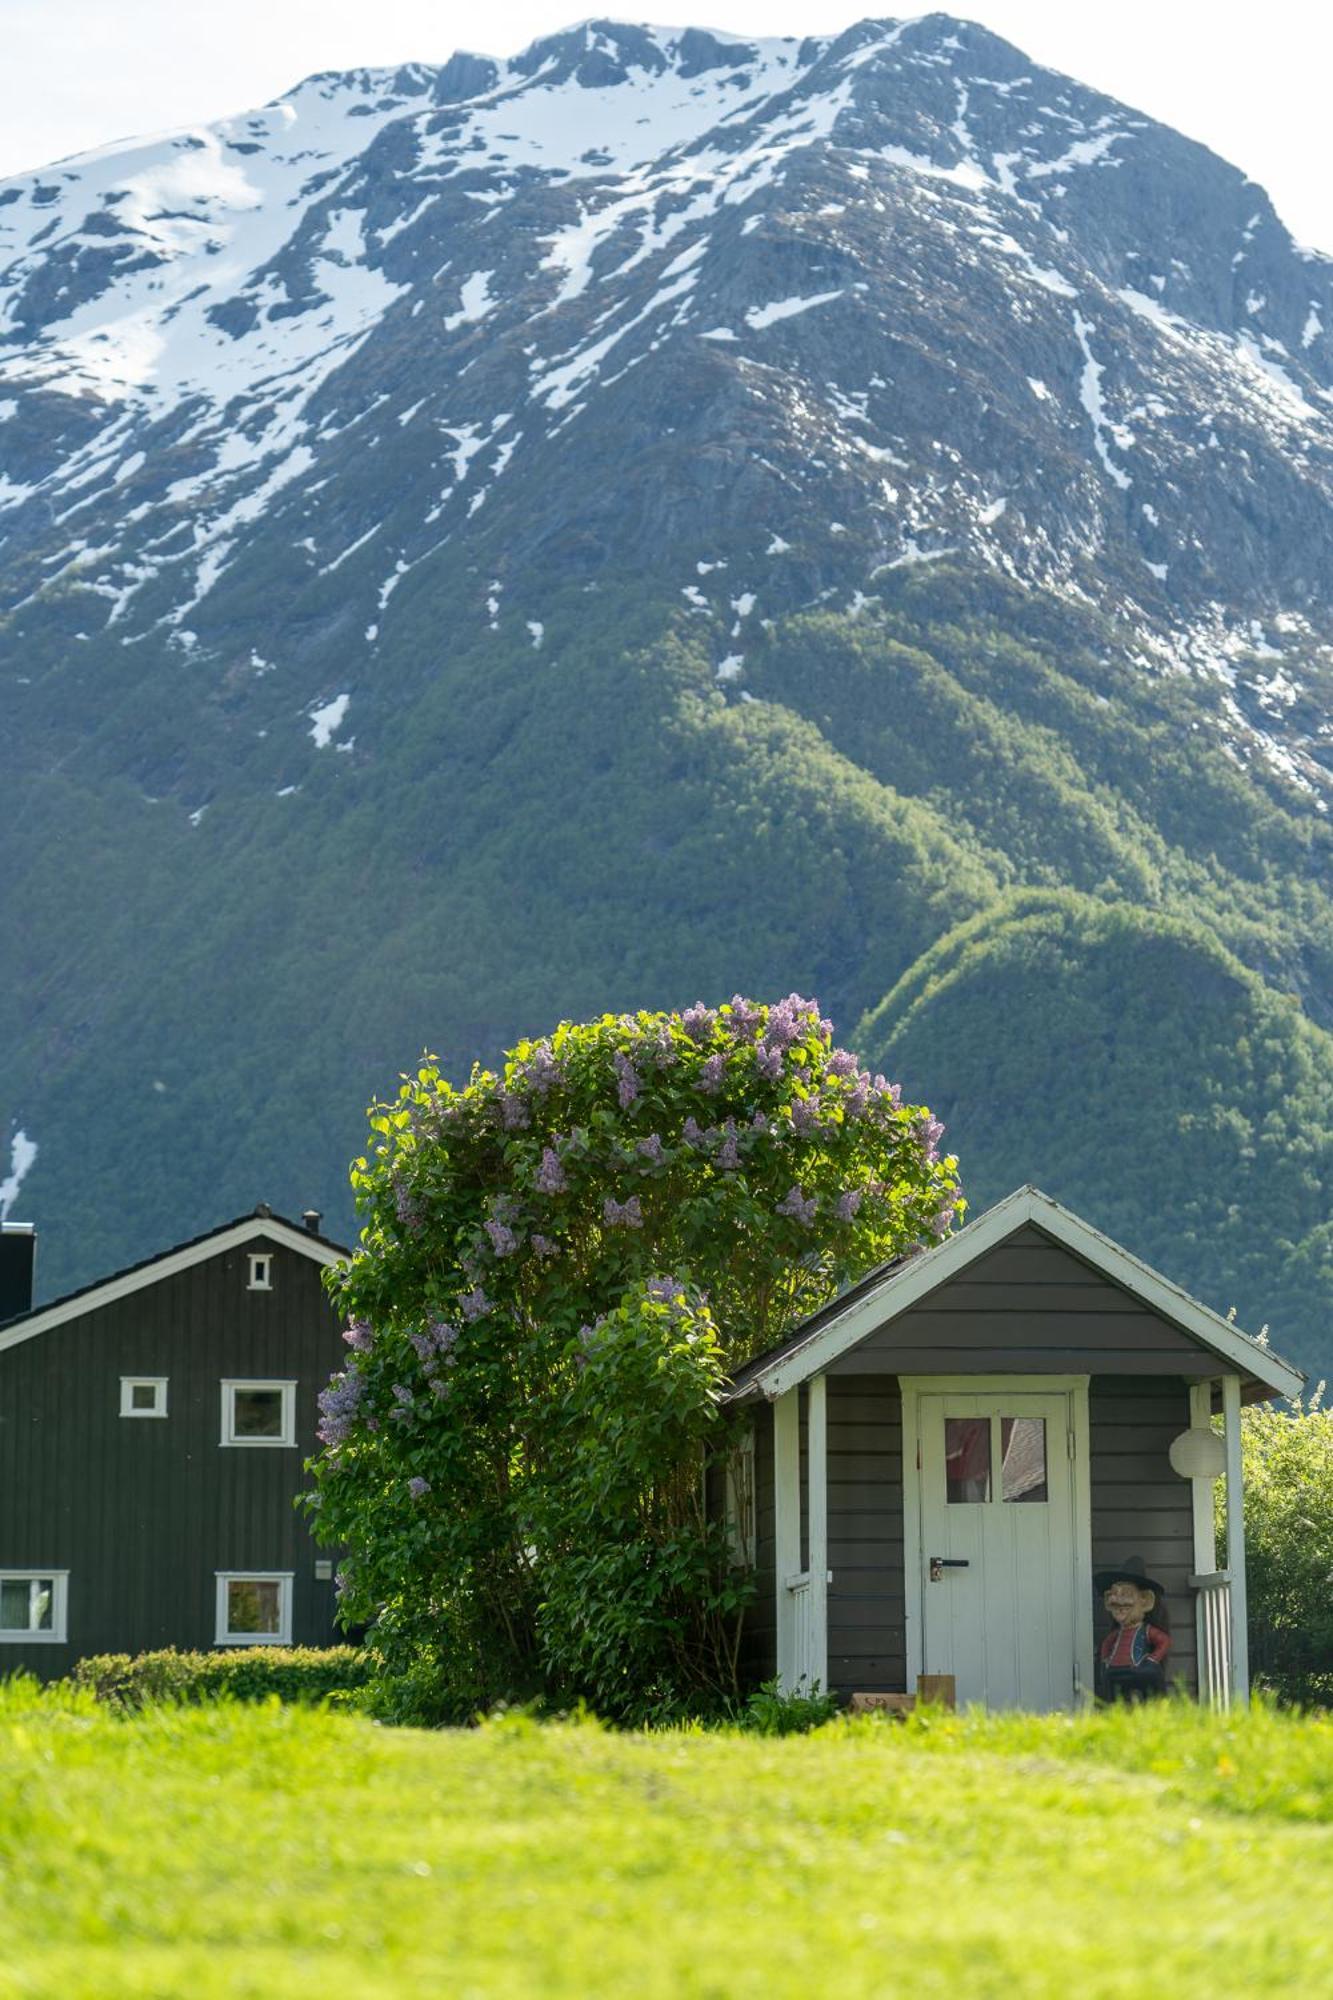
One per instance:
[(197, 1014)]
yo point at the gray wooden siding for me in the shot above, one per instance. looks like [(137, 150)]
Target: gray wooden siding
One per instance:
[(1028, 1307), (1139, 1506), (143, 1511), (866, 1640)]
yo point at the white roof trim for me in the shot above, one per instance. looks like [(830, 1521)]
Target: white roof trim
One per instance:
[(905, 1284), (158, 1268)]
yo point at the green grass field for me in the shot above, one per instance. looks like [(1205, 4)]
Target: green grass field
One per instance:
[(288, 1852)]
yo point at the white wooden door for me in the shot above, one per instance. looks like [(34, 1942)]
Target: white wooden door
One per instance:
[(997, 1576)]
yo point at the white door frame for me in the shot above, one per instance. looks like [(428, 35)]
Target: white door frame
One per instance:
[(1075, 1389)]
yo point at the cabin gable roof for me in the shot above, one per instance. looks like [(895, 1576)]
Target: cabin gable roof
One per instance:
[(261, 1226), (869, 1308)]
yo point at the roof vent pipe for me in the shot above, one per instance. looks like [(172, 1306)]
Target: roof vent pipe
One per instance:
[(18, 1265), (311, 1219)]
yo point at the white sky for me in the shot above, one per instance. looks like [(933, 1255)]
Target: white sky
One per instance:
[(1251, 82)]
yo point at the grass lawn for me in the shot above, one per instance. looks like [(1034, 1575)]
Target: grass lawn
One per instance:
[(275, 1852)]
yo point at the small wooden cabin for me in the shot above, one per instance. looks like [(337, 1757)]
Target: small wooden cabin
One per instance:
[(942, 1459), (153, 1433)]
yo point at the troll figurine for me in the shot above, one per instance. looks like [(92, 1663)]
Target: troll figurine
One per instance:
[(1131, 1661)]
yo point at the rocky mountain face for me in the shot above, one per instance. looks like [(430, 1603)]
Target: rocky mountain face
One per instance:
[(659, 515)]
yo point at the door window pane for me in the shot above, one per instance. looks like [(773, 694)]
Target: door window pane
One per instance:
[(1023, 1458), (967, 1460)]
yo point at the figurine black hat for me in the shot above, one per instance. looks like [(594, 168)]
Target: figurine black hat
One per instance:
[(1129, 1571)]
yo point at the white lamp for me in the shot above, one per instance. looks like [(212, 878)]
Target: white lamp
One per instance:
[(1198, 1454)]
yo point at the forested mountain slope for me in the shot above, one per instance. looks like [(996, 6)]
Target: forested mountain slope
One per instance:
[(659, 516)]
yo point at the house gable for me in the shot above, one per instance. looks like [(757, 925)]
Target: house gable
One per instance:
[(1028, 1288), (255, 1232), (1027, 1307)]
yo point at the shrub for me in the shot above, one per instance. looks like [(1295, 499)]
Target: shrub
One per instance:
[(247, 1673), (560, 1265), (1289, 1549)]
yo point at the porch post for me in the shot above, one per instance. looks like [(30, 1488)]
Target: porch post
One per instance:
[(786, 1528), (818, 1472), (1240, 1642), (1201, 1490)]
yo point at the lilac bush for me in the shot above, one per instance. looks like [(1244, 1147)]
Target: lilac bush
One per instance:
[(513, 1339)]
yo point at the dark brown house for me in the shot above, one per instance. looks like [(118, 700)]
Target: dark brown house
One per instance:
[(942, 1460), (153, 1430)]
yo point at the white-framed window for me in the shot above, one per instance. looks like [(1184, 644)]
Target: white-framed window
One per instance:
[(143, 1395), (740, 1502), (254, 1607), (33, 1606), (259, 1413), (261, 1271)]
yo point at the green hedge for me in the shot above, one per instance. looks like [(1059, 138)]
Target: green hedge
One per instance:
[(250, 1673)]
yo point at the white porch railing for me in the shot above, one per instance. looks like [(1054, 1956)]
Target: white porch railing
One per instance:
[(1213, 1619)]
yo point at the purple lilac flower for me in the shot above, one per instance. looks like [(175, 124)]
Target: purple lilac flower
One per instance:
[(768, 1061), (418, 1487), (357, 1334), (728, 1153), (805, 1115), (422, 1345), (759, 1123), (622, 1214), (798, 1206), (663, 1291), (514, 1111), (543, 1071), (652, 1149), (659, 1047), (503, 1240), (439, 1386), (942, 1220), (406, 1206), (698, 1022), (710, 1076), (339, 1405), (627, 1088), (550, 1174), (544, 1247), (743, 1017), (444, 1338), (847, 1203), (841, 1063), (693, 1135), (930, 1131), (475, 1304), (858, 1097)]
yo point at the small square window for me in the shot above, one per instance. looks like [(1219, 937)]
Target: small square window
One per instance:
[(143, 1395), (261, 1271), (259, 1413), (33, 1606), (254, 1608)]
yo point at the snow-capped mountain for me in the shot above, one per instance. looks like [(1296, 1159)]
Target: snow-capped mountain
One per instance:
[(902, 281), (467, 533)]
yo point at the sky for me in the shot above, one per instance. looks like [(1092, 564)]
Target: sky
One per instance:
[(1251, 82)]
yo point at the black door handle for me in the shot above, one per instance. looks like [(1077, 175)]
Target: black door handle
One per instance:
[(938, 1564)]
